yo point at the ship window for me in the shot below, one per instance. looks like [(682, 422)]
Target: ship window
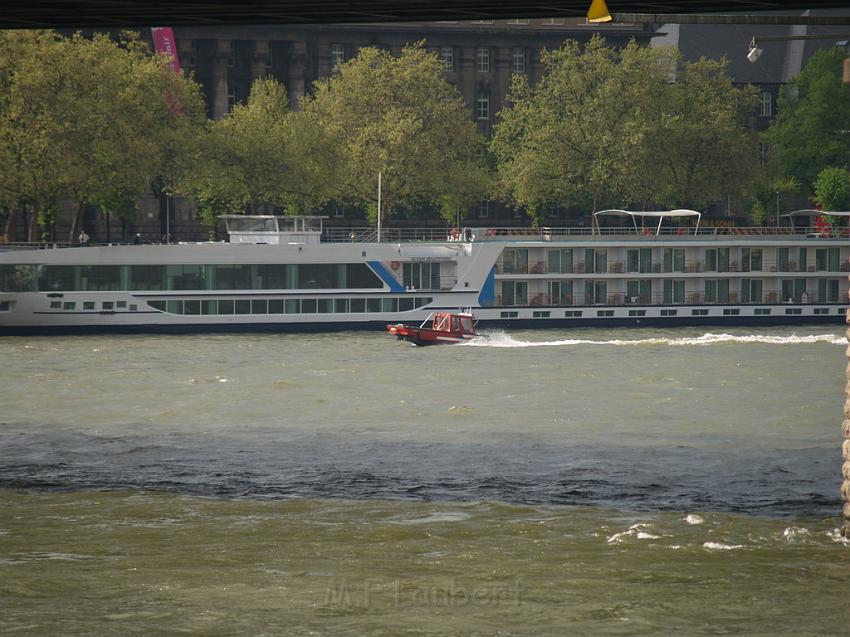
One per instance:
[(729, 311), (68, 305), (509, 314), (57, 277), (793, 310), (358, 305), (275, 306), (308, 306), (232, 277), (762, 311), (191, 307), (147, 277), (19, 278), (637, 312), (259, 306), (5, 306), (422, 300), (326, 306), (541, 314), (273, 277), (292, 306), (340, 306), (573, 313), (373, 305), (207, 307), (122, 304), (821, 310), (134, 307), (669, 312), (107, 305), (699, 312), (157, 305), (242, 306), (88, 305), (389, 305), (174, 307), (405, 305), (225, 306), (56, 305), (841, 310), (100, 277), (604, 312)]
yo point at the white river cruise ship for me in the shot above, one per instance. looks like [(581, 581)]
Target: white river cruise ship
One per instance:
[(288, 274)]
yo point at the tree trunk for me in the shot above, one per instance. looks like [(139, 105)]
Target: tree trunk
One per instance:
[(12, 224), (32, 234), (77, 221)]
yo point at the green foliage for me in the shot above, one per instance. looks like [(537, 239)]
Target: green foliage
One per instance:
[(91, 119), (758, 213), (810, 131), (400, 117), (261, 154), (832, 189), (607, 125), (703, 147)]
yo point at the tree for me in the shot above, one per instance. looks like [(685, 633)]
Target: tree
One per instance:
[(261, 153), (89, 119), (580, 132), (810, 131), (30, 161), (609, 127), (401, 118), (704, 146), (832, 189)]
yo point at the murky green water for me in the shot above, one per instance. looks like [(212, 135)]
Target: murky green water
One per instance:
[(548, 483)]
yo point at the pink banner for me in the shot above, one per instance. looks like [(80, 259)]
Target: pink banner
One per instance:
[(164, 42)]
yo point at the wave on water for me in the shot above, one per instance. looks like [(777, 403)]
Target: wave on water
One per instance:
[(503, 339)]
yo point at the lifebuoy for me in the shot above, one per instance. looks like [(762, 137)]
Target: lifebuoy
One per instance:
[(394, 265)]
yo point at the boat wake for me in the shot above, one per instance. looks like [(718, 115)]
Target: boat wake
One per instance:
[(503, 339)]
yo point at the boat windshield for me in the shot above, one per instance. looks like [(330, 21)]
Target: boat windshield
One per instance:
[(467, 325)]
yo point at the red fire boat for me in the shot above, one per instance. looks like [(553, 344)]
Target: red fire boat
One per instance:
[(441, 328)]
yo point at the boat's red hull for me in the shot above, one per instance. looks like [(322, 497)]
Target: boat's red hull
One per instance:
[(425, 336)]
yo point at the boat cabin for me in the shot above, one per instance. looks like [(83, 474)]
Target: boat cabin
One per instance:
[(453, 323), (274, 229)]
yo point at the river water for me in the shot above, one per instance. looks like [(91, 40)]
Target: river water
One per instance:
[(609, 482)]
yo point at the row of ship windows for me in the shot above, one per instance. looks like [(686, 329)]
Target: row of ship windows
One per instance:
[(729, 311), (105, 306), (290, 306), (251, 306)]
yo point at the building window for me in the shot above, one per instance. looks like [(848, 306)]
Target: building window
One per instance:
[(766, 104), (554, 22), (483, 57), (484, 209), (337, 55), (447, 55), (231, 97), (482, 104), (190, 55), (519, 59), (518, 21)]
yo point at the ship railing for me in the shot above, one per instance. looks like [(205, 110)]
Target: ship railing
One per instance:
[(573, 233)]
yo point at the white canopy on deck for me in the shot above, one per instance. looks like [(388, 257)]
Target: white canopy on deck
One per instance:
[(654, 214), (815, 213)]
